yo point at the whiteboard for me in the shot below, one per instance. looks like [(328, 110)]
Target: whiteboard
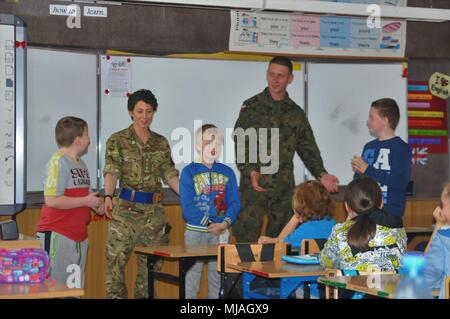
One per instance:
[(339, 98), (60, 83), (189, 91)]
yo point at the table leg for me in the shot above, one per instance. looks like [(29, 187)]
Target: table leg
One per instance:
[(184, 264), (151, 261)]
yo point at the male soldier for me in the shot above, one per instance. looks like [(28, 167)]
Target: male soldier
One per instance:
[(266, 189), (139, 158)]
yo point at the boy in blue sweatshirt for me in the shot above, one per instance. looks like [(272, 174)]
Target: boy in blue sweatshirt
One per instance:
[(210, 203), (387, 159)]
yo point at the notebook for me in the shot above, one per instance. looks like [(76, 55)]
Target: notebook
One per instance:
[(311, 259)]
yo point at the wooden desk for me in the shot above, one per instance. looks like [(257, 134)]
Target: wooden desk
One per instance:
[(48, 289), (22, 242), (290, 275), (186, 256), (383, 286)]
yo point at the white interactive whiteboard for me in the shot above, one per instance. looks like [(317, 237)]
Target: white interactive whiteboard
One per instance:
[(12, 114), (189, 91), (339, 98), (60, 83)]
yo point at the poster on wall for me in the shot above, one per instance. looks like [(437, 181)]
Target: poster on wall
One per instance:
[(118, 75), (311, 34), (427, 122)]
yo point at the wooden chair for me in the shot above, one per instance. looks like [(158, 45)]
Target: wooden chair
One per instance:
[(245, 252), (447, 287), (312, 246)]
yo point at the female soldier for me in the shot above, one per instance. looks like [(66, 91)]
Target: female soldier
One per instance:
[(139, 158)]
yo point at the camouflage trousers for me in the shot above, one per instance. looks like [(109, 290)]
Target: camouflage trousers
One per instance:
[(133, 224), (256, 205)]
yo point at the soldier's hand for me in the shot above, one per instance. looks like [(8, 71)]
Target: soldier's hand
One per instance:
[(254, 177), (330, 182), (108, 207)]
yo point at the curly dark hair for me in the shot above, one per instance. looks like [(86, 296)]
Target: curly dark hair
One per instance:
[(312, 201), (142, 95)]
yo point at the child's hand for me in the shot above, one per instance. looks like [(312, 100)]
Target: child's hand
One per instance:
[(217, 228), (100, 210), (93, 201), (439, 216), (267, 240), (358, 165)]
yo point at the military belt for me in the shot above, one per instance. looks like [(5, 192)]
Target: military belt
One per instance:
[(131, 195)]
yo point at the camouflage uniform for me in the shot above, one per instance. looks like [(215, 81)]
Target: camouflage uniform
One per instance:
[(296, 135), (139, 167)]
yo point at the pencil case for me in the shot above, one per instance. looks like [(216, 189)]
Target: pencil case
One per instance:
[(27, 265)]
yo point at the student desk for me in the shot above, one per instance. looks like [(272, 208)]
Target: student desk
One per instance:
[(290, 275), (383, 286), (186, 256), (48, 289), (22, 242)]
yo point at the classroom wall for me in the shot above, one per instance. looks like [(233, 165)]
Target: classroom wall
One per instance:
[(417, 213), (159, 30), (429, 178)]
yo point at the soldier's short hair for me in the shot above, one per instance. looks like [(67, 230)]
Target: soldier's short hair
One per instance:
[(142, 95), (210, 129), (68, 129), (387, 107), (282, 60), (312, 201)]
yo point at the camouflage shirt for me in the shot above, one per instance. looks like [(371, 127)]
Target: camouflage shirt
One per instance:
[(139, 166), (295, 133)]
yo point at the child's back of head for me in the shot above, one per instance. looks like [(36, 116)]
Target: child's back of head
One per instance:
[(312, 201), (68, 129), (362, 196)]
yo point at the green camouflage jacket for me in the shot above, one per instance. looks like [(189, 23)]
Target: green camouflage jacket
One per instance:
[(139, 167), (295, 135)]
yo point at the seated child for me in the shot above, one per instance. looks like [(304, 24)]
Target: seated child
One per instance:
[(437, 253), (312, 219), (312, 206), (210, 204), (371, 240)]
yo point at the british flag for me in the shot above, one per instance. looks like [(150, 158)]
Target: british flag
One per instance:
[(420, 155)]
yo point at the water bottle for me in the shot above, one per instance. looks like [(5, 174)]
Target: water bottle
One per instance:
[(412, 285)]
